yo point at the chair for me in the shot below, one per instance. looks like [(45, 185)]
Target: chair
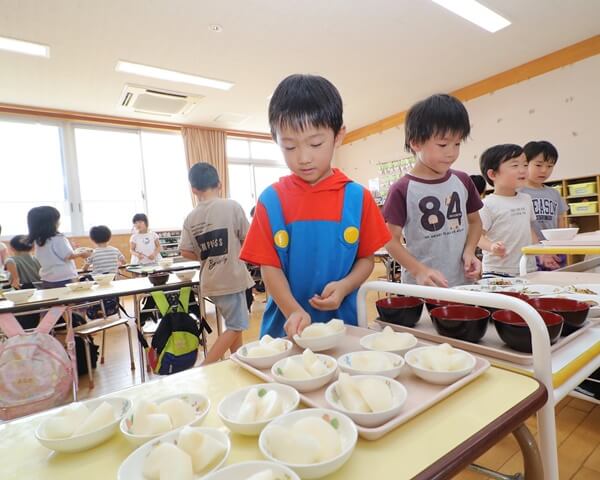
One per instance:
[(91, 327)]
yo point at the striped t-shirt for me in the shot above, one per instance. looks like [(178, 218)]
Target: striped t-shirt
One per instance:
[(105, 260)]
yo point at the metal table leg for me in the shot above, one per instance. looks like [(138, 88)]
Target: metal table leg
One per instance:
[(138, 323), (532, 460)]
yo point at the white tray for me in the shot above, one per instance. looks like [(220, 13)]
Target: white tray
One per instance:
[(421, 395), (491, 345)]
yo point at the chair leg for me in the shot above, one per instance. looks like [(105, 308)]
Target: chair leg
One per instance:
[(102, 349), (130, 346), (88, 361)]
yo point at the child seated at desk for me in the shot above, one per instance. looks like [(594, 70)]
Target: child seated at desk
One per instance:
[(105, 258), (23, 267)]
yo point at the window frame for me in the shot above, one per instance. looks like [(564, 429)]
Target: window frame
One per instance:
[(70, 165), (254, 162)]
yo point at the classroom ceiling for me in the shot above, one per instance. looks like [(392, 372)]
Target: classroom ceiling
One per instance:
[(382, 55)]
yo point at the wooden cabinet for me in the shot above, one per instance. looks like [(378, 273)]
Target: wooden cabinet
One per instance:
[(581, 195)]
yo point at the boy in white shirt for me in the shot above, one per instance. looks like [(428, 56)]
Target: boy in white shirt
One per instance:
[(143, 245), (507, 215)]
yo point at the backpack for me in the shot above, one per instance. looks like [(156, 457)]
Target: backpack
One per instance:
[(177, 338), (111, 307), (36, 373)]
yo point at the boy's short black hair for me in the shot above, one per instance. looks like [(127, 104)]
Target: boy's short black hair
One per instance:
[(100, 234), (203, 176), (541, 147), (495, 156), (439, 115), (480, 183), (140, 217), (21, 243), (305, 100)]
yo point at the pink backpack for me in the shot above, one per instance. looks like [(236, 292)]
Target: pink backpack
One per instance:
[(36, 372)]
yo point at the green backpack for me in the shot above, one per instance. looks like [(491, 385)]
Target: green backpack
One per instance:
[(175, 343)]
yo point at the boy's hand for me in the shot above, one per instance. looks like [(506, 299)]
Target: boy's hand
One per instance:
[(150, 257), (331, 297), (431, 278), (499, 249), (551, 262), (472, 266), (296, 322)]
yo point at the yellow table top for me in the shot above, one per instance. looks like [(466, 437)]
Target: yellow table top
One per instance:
[(403, 453), (557, 250)]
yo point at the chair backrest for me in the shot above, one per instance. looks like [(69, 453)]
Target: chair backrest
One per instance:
[(36, 373)]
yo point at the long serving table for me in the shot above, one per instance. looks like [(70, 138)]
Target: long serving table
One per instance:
[(118, 288), (560, 372), (140, 270), (436, 444)]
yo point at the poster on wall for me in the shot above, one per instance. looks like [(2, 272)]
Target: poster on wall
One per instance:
[(391, 171)]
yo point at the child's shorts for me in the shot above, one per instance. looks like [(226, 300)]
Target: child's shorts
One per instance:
[(234, 309)]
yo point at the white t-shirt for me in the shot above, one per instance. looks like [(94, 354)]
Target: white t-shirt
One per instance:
[(145, 244), (508, 220), (52, 259)]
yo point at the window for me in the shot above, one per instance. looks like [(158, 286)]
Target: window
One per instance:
[(32, 174), (168, 194), (253, 165), (124, 172), (93, 175), (110, 177)]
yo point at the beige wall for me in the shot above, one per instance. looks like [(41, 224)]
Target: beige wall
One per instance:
[(562, 106)]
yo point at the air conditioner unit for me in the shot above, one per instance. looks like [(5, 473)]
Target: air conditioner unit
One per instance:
[(154, 101)]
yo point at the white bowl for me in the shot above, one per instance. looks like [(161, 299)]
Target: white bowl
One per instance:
[(372, 419), (345, 364), (199, 402), (19, 296), (318, 344), (132, 466), (229, 407), (165, 262), (78, 443), (104, 279), (247, 469), (345, 427), (310, 384), (79, 286), (560, 233), (266, 361), (367, 343), (437, 377), (185, 275)]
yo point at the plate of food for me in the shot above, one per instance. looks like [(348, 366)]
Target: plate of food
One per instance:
[(502, 281), (535, 290), (188, 453), (584, 289)]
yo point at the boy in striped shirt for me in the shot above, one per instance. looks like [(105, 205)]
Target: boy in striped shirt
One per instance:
[(104, 258)]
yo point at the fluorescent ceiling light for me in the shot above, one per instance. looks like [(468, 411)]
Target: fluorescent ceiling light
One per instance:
[(171, 76), (27, 48), (475, 12)]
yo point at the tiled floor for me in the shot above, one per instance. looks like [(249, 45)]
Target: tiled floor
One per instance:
[(578, 422)]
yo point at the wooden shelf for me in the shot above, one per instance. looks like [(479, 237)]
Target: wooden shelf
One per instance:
[(581, 196), (584, 215)]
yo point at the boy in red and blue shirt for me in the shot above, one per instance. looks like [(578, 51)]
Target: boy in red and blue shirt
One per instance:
[(315, 231)]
